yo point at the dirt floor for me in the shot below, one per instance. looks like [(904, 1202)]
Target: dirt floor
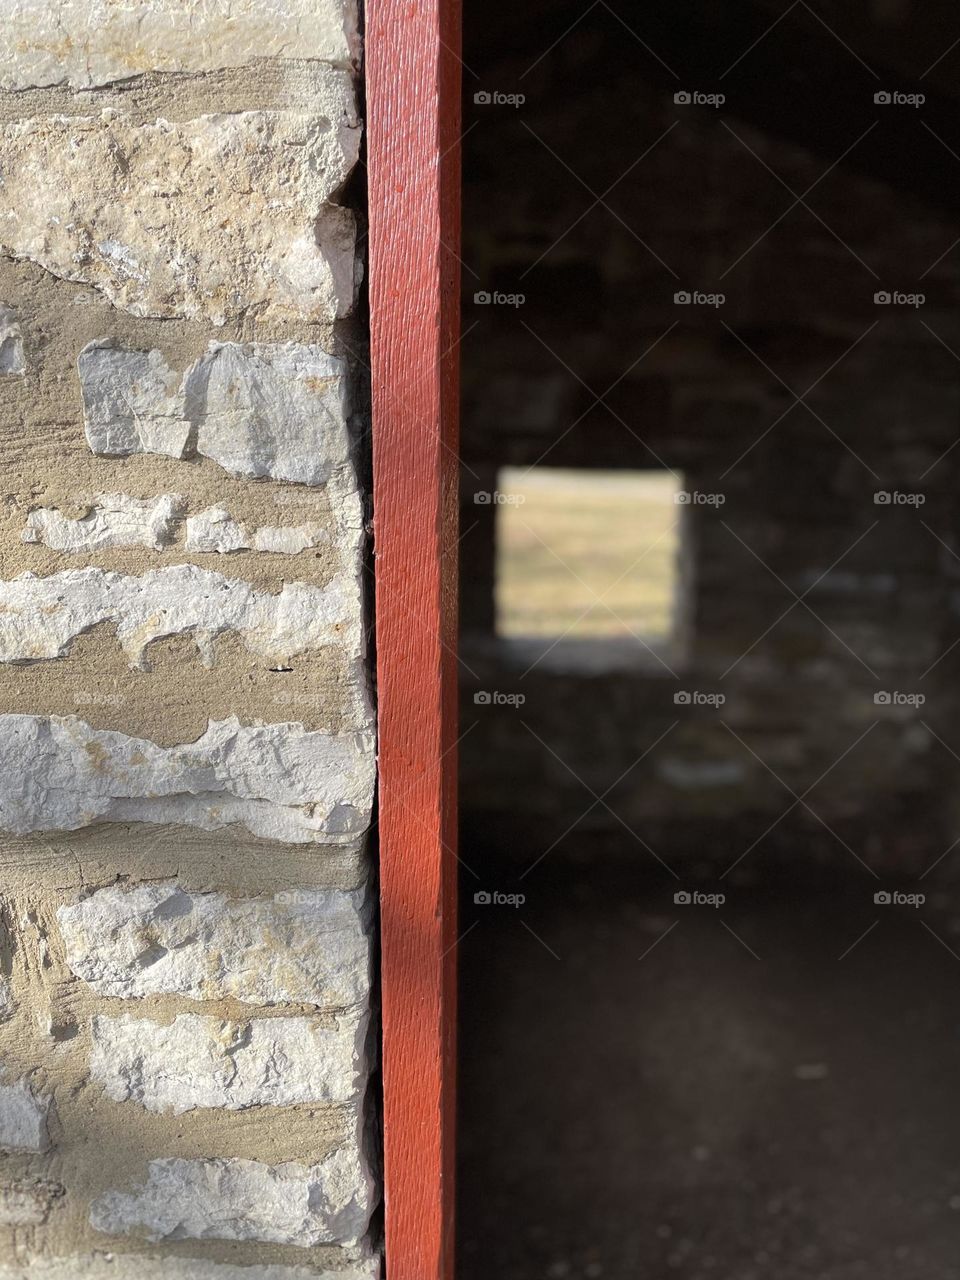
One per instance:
[(764, 1089)]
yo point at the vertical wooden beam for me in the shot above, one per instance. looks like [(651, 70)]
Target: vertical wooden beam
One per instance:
[(413, 132)]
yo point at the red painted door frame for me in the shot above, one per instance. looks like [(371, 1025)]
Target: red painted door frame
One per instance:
[(413, 135)]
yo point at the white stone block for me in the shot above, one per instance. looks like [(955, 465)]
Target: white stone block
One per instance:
[(216, 530), (11, 342), (280, 781), (94, 42), (302, 947), (115, 520), (135, 1266), (226, 1199), (260, 409), (197, 1061), (23, 1118), (41, 617), (202, 219)]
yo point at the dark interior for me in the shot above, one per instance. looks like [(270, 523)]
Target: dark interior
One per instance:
[(756, 1081)]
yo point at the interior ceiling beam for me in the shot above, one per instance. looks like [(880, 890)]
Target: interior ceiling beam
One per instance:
[(794, 80)]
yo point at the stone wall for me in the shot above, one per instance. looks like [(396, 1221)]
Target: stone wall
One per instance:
[(186, 733)]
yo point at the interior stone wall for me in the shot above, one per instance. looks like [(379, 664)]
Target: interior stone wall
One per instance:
[(599, 366), (187, 756)]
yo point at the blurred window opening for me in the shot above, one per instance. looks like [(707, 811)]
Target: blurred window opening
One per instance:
[(589, 566)]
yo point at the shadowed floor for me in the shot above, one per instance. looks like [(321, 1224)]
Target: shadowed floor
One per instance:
[(643, 1097)]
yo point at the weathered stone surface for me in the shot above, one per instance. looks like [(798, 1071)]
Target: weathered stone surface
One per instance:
[(304, 947), (40, 617), (134, 1266), (280, 781), (23, 1118), (216, 530), (222, 1199), (258, 409), (207, 218), (116, 520), (48, 42), (27, 1202), (132, 402), (209, 1062), (11, 342)]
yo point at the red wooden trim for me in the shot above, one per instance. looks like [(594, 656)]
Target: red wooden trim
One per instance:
[(413, 131)]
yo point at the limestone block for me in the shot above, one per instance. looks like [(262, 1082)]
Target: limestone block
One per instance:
[(280, 781), (23, 1118), (11, 342), (258, 409), (209, 1062), (115, 520), (216, 530), (94, 42), (228, 1199), (135, 1266), (41, 617), (302, 947), (201, 219)]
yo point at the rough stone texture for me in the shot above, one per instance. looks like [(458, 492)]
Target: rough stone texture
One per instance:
[(216, 530), (50, 42), (258, 409), (280, 781), (135, 1266), (11, 342), (304, 947), (328, 1202), (27, 1202), (210, 218), (23, 1118), (116, 520), (41, 617), (209, 1062)]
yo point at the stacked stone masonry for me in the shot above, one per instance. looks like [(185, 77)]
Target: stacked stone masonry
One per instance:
[(187, 753)]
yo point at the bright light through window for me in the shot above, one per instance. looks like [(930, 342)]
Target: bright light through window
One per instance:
[(588, 555)]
